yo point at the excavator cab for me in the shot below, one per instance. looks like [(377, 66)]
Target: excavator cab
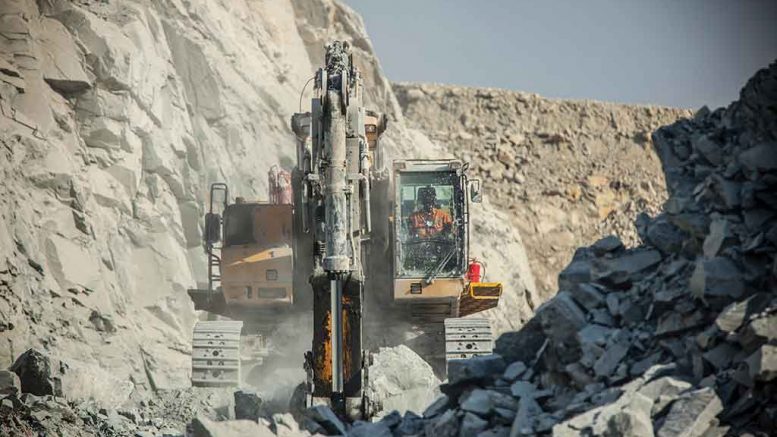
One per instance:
[(433, 272)]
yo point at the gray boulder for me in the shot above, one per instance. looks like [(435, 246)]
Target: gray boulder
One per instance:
[(248, 405), (606, 245), (521, 345), (367, 429), (34, 369), (760, 158), (477, 401), (665, 236), (620, 271), (514, 371), (560, 316), (717, 277), (633, 420), (401, 380), (480, 368), (525, 419), (588, 296), (472, 425), (9, 383), (324, 417), (445, 425), (411, 424), (692, 414), (439, 406), (762, 364)]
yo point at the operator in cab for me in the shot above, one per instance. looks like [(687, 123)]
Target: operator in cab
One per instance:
[(429, 221)]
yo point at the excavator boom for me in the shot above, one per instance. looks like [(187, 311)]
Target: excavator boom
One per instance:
[(333, 201)]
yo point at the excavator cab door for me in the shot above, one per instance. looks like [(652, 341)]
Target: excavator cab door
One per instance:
[(212, 227), (219, 199)]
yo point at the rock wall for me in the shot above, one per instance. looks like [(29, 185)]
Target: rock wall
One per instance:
[(115, 118), (565, 172)]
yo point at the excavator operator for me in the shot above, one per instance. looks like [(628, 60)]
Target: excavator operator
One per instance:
[(429, 221)]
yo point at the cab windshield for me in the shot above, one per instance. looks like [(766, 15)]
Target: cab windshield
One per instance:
[(430, 225)]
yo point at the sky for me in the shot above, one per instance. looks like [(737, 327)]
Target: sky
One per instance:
[(682, 53)]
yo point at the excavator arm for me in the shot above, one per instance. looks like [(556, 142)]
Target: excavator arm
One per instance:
[(333, 209)]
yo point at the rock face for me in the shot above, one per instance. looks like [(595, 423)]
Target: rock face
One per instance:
[(114, 118), (567, 173), (674, 337)]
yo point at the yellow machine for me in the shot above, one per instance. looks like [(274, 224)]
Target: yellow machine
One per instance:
[(359, 237), (433, 276), (249, 246)]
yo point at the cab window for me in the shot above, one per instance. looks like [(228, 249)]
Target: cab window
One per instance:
[(429, 225)]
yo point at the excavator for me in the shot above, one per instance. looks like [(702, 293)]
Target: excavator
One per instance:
[(249, 247), (360, 237)]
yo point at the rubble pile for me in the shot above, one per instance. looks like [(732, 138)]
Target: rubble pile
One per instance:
[(566, 172), (675, 337), (44, 395)]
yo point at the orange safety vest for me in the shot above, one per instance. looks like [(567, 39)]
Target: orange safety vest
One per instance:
[(427, 224)]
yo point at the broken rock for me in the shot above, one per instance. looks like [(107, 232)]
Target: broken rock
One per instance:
[(616, 350), (664, 235), (248, 405), (477, 401), (607, 244), (9, 383), (35, 374), (691, 414), (521, 345), (717, 277), (619, 271), (633, 420), (446, 425), (367, 429), (560, 316), (720, 237), (760, 158), (479, 368), (763, 363), (401, 380), (471, 425), (514, 371), (327, 419)]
